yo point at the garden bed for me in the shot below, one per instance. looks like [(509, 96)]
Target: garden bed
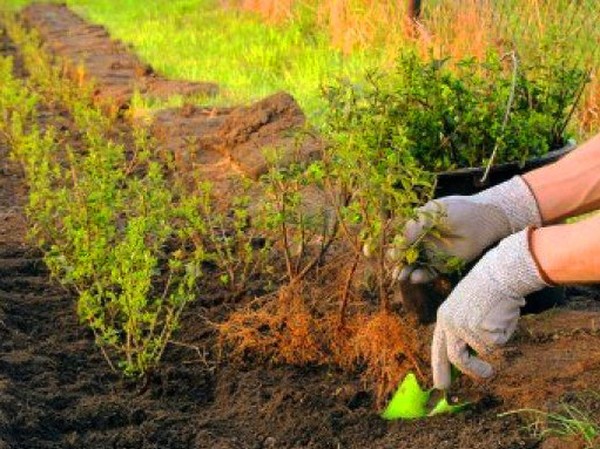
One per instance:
[(56, 390), (219, 137)]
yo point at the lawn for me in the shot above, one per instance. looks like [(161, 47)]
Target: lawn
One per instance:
[(200, 40)]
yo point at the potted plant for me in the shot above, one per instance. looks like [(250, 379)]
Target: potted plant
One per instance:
[(471, 123)]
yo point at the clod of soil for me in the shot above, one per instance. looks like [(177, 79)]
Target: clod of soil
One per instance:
[(272, 123), (205, 136)]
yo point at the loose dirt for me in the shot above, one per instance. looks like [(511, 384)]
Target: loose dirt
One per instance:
[(56, 390)]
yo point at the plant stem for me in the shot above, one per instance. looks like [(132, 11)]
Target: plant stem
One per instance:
[(346, 290), (511, 98)]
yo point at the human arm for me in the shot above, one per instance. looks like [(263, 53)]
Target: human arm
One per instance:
[(482, 311), (569, 253), (470, 224), (570, 186)]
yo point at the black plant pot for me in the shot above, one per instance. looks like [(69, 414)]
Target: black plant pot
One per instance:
[(467, 181), (422, 302)]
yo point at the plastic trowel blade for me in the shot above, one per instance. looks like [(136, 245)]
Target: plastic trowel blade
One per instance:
[(408, 402), (411, 402)]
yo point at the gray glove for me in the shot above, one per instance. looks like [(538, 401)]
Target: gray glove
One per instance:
[(470, 224), (483, 309)]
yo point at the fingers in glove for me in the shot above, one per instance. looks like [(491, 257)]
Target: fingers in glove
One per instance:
[(403, 274), (414, 228), (440, 364), (458, 354), (421, 275)]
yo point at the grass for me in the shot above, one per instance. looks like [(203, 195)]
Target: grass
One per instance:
[(200, 40), (254, 48), (576, 421), (538, 30)]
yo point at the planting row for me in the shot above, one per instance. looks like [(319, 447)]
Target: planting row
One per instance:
[(118, 227), (309, 250), (102, 215)]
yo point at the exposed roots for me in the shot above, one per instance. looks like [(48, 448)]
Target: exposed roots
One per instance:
[(285, 330), (281, 331), (386, 346)]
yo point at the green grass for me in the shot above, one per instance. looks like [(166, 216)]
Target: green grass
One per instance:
[(577, 420), (199, 40)]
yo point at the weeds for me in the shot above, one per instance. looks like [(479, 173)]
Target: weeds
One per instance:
[(570, 421)]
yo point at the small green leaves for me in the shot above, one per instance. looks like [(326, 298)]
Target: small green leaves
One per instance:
[(411, 255), (105, 215), (447, 114)]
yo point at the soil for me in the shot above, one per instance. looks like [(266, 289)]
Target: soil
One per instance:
[(88, 53), (56, 390), (222, 142)]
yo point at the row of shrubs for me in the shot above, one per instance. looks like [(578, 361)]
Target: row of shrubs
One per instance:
[(120, 228), (109, 223)]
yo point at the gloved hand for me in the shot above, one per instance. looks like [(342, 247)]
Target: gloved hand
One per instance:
[(470, 224), (483, 309)]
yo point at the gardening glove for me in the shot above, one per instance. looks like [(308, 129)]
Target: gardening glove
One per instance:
[(470, 224), (483, 309)]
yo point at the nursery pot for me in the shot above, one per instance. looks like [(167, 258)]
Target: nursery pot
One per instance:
[(423, 300), (468, 181)]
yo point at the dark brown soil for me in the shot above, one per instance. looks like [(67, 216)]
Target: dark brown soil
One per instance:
[(56, 390)]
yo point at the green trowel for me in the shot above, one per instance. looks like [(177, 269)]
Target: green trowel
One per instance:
[(411, 402)]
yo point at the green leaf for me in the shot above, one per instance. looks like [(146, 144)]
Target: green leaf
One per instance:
[(411, 255)]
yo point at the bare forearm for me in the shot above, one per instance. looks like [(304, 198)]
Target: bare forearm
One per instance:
[(570, 186), (569, 253)]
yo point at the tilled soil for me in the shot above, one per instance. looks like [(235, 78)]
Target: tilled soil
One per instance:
[(56, 390)]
